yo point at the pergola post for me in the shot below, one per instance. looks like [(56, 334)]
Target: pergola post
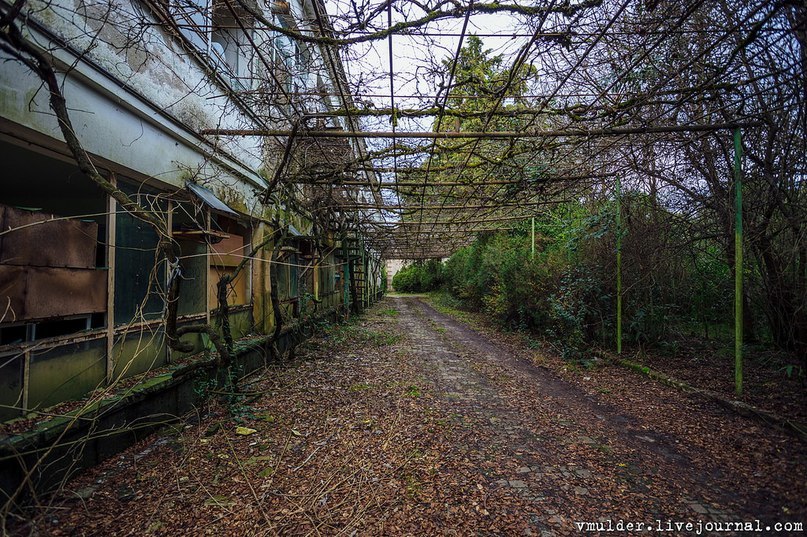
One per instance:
[(618, 266), (738, 263)]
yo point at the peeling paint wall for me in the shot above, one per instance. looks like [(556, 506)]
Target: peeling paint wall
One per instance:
[(137, 97)]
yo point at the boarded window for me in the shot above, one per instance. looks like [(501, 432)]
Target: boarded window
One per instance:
[(225, 255), (52, 254)]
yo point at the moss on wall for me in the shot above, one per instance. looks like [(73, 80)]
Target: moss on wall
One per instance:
[(241, 323), (66, 372), (138, 353)]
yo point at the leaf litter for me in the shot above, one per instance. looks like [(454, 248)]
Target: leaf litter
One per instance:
[(435, 432)]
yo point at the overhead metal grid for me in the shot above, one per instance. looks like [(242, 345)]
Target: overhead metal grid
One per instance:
[(562, 96)]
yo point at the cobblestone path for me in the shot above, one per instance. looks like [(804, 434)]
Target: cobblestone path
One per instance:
[(566, 455)]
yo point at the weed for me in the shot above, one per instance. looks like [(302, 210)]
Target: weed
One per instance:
[(382, 339), (266, 472), (360, 387), (534, 343), (793, 370), (412, 486), (353, 334), (412, 391), (266, 416)]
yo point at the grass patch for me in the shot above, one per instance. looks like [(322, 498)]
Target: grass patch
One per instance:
[(354, 334), (448, 304), (382, 339), (413, 486)]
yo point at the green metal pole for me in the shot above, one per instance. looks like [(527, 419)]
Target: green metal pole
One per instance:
[(618, 266), (738, 263), (364, 277), (532, 253), (346, 286)]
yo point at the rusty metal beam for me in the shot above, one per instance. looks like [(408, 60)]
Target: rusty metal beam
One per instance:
[(556, 133)]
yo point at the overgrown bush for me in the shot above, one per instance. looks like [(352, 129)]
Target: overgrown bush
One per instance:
[(420, 277), (566, 291)]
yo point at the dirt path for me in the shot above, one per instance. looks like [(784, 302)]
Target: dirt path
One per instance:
[(411, 423)]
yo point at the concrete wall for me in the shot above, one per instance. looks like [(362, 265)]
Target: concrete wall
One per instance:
[(393, 266)]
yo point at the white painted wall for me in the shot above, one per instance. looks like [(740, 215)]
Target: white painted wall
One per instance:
[(137, 96)]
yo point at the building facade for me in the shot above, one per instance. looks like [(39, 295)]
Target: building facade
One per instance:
[(83, 290)]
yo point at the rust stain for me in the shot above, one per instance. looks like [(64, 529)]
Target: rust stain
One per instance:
[(45, 292), (39, 240)]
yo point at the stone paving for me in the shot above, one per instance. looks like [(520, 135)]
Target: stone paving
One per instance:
[(563, 452)]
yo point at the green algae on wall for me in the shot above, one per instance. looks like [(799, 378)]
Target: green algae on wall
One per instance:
[(138, 352), (66, 372)]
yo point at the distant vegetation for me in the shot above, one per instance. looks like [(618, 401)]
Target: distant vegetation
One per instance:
[(419, 277), (675, 282)]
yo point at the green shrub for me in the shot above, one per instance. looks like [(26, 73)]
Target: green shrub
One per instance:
[(420, 277)]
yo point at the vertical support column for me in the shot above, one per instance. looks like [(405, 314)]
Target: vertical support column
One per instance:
[(208, 224), (249, 238), (26, 380), (364, 277), (738, 263), (111, 231), (315, 276), (346, 278), (532, 252), (618, 265), (167, 273)]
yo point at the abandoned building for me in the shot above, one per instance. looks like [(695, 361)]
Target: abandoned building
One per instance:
[(83, 291)]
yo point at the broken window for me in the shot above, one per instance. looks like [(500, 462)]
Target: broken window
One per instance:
[(231, 49), (221, 31)]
